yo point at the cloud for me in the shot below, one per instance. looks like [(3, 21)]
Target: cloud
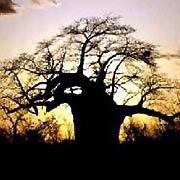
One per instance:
[(46, 3), (8, 7)]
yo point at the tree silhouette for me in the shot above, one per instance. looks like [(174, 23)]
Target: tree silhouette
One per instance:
[(14, 122), (89, 64)]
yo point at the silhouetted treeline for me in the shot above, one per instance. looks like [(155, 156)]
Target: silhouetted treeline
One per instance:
[(135, 135)]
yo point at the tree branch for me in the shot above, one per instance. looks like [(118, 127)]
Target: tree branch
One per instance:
[(114, 76), (65, 98), (26, 95), (82, 58), (130, 110)]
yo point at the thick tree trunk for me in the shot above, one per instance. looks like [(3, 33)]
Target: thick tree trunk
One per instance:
[(96, 119)]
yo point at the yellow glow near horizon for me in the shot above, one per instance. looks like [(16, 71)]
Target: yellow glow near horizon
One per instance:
[(63, 116)]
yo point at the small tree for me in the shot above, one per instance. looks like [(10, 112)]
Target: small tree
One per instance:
[(14, 120)]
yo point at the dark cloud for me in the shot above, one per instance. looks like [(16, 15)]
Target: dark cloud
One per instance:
[(46, 3), (8, 7)]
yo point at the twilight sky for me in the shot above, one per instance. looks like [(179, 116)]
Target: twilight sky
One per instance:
[(23, 23)]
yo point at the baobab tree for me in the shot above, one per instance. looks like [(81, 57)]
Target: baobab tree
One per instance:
[(89, 65)]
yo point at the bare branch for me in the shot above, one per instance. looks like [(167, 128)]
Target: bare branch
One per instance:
[(26, 95), (114, 76), (136, 109)]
